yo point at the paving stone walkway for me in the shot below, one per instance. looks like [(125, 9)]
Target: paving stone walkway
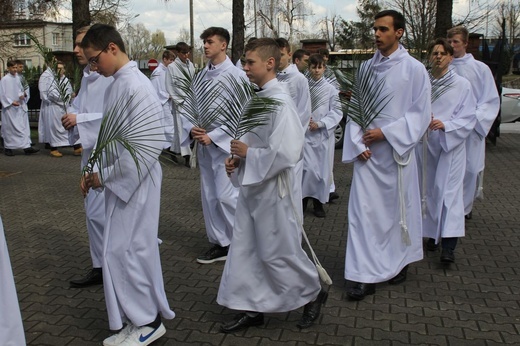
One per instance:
[(472, 302)]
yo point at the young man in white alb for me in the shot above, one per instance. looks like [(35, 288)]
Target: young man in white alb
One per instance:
[(219, 196), (132, 273), (488, 104), (384, 210), (83, 124)]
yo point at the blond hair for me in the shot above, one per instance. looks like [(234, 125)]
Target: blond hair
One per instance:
[(459, 30)]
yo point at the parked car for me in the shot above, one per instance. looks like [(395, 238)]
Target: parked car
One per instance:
[(510, 109)]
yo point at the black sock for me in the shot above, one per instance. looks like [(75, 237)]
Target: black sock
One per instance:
[(155, 324)]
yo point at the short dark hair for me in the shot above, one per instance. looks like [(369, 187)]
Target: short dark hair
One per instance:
[(266, 48), (398, 18), (168, 54), (183, 47), (316, 59), (216, 31), (283, 43), (11, 63), (442, 42), (299, 53), (99, 36), (18, 62), (324, 52), (83, 29)]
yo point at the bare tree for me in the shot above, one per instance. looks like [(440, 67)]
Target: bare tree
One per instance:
[(329, 25), (420, 23), (80, 15), (239, 28), (137, 39), (508, 26), (443, 17), (157, 43), (290, 14), (184, 35)]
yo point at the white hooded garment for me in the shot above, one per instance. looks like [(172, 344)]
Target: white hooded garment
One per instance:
[(375, 248), (266, 268), (446, 158)]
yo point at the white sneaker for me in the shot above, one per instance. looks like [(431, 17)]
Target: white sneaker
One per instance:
[(117, 339), (144, 336)]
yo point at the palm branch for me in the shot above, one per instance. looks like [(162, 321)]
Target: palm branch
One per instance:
[(368, 97), (119, 132), (439, 85), (242, 109), (76, 80), (61, 84), (201, 96), (200, 106), (318, 92)]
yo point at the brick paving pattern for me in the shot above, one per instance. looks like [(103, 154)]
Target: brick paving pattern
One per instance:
[(472, 302)]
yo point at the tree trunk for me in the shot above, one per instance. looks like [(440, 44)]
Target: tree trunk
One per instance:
[(80, 15), (443, 18), (237, 49)]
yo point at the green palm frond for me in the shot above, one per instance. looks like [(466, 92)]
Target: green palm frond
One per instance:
[(242, 109), (76, 78), (368, 96), (318, 92), (441, 85), (137, 135), (61, 84), (201, 97)]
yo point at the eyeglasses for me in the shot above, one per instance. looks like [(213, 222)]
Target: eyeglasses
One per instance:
[(94, 61)]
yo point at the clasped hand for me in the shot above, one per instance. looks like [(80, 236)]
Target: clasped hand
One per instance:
[(89, 181), (200, 135)]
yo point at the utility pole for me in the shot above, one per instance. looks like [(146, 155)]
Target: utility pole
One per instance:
[(192, 36)]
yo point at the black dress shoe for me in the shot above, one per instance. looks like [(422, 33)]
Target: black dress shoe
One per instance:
[(305, 201), (31, 150), (361, 290), (8, 152), (242, 321), (431, 246), (318, 209), (187, 161), (311, 311), (447, 256), (399, 278), (93, 277), (333, 196), (469, 216)]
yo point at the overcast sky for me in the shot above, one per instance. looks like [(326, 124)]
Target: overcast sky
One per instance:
[(174, 15)]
